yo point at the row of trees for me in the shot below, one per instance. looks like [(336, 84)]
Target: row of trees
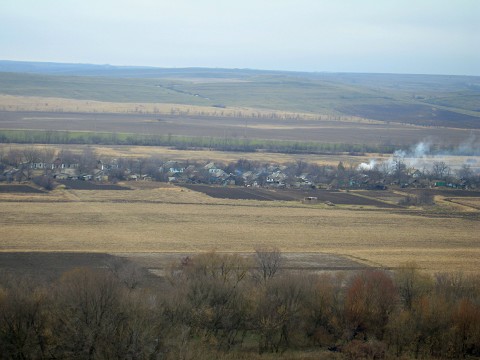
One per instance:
[(230, 143), (214, 305)]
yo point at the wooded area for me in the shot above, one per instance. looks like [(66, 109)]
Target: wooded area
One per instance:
[(218, 305)]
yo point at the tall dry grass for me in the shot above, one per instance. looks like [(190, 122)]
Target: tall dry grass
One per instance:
[(52, 104)]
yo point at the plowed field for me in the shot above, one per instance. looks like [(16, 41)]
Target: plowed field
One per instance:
[(250, 193), (20, 189)]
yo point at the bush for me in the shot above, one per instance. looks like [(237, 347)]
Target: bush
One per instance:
[(358, 350), (424, 197), (44, 181)]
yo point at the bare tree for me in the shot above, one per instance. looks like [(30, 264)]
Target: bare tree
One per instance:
[(67, 156), (14, 157), (31, 155), (127, 272), (440, 170), (47, 155), (279, 312), (24, 320), (411, 283), (466, 174), (370, 298), (400, 169), (87, 161), (89, 314), (268, 261), (211, 297)]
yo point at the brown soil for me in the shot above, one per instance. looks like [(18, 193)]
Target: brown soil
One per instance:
[(46, 266), (20, 189), (250, 193), (88, 185)]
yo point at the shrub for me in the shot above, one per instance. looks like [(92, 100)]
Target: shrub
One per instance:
[(358, 350), (44, 181)]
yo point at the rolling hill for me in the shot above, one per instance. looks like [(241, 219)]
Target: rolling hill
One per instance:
[(427, 100)]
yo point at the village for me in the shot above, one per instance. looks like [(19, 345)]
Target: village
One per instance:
[(46, 168)]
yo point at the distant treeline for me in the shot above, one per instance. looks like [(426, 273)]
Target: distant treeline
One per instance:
[(187, 142)]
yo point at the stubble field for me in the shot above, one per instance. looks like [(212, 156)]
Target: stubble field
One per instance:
[(167, 219)]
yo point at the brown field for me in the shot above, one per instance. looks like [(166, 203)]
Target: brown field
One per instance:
[(22, 189), (423, 114), (88, 185), (328, 131), (156, 223), (51, 265), (447, 192), (260, 194), (387, 196), (167, 219), (473, 203)]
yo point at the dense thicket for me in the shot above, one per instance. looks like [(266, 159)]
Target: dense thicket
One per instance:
[(229, 306)]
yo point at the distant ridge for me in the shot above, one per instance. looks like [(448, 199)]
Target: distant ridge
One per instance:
[(426, 100), (53, 68), (127, 71)]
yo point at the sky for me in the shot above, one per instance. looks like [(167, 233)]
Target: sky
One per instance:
[(379, 36)]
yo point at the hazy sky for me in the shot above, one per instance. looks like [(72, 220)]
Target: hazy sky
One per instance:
[(395, 36)]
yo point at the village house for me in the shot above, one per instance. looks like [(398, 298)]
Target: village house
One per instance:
[(172, 167), (39, 166), (59, 164), (250, 178), (277, 179)]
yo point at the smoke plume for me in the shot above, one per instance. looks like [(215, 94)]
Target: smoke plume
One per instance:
[(422, 156)]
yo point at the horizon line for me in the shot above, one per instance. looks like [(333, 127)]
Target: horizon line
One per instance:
[(152, 67)]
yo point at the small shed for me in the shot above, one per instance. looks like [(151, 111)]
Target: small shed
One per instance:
[(310, 200)]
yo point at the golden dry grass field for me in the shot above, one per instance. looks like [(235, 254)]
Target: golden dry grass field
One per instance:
[(167, 219), (49, 104)]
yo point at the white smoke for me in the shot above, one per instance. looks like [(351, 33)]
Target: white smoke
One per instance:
[(367, 166), (421, 149), (421, 156), (469, 147)]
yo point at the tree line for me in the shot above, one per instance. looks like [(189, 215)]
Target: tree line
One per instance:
[(228, 306), (237, 144)]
